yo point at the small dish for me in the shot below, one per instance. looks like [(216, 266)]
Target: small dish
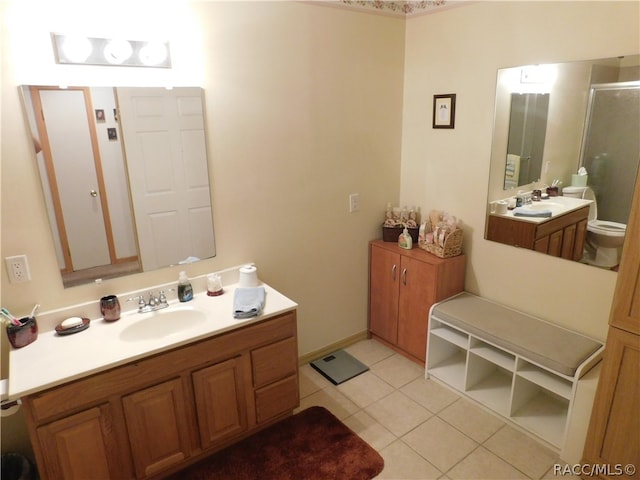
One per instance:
[(72, 330)]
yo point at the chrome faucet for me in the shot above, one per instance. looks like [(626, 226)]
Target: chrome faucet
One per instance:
[(154, 303)]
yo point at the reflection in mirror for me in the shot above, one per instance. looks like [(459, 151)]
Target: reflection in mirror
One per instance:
[(592, 122), (527, 128), (611, 146), (125, 177)]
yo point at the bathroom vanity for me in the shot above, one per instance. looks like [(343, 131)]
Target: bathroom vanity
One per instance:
[(562, 235), (177, 399)]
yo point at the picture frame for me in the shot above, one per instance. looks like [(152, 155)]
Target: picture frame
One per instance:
[(444, 110), (100, 115)]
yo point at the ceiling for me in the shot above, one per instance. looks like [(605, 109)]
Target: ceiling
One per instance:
[(400, 9)]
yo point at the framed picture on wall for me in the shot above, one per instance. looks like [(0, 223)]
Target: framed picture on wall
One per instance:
[(444, 111)]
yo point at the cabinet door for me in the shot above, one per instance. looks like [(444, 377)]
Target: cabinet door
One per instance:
[(625, 313), (383, 293), (568, 241), (220, 401), (581, 236), (417, 281), (158, 427), (613, 436), (81, 446)]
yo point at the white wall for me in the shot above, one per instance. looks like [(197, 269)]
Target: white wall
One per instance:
[(460, 51), (304, 107)]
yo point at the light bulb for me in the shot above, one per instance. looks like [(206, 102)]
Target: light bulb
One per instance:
[(117, 51), (76, 48), (153, 53)]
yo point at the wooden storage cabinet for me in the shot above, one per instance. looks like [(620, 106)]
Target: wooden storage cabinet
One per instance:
[(613, 437), (151, 417), (403, 285), (614, 432), (563, 236)]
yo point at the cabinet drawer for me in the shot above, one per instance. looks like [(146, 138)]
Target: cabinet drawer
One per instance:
[(273, 362), (277, 398)]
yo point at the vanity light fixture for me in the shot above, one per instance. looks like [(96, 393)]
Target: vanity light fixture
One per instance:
[(79, 50)]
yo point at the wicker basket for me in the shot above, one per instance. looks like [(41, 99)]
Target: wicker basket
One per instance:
[(391, 234), (452, 245)]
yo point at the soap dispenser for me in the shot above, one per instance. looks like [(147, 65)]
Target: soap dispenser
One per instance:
[(185, 290), (405, 240)]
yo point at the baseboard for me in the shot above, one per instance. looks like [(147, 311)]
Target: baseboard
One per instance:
[(345, 342)]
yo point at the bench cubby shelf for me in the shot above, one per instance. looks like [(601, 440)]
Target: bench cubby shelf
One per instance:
[(530, 395)]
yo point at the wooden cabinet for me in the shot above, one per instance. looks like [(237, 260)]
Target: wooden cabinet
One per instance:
[(614, 432), (81, 445), (403, 285), (563, 236), (613, 437), (151, 417), (157, 427), (220, 401)]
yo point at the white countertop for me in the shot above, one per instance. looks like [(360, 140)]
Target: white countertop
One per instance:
[(53, 359), (558, 206)]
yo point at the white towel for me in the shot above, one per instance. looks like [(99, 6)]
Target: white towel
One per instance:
[(248, 301), (523, 212)]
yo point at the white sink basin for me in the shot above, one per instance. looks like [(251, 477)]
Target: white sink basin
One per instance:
[(163, 323), (537, 207)]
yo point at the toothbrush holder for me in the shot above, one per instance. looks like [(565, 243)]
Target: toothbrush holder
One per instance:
[(23, 334)]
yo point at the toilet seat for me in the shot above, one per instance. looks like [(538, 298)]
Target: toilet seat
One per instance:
[(609, 229)]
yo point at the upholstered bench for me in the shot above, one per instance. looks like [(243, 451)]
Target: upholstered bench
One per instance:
[(519, 366), (549, 345)]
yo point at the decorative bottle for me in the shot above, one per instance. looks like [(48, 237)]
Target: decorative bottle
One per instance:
[(185, 290)]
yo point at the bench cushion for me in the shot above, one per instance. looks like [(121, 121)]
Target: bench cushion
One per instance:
[(549, 345)]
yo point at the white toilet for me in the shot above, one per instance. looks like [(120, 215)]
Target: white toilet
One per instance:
[(604, 238)]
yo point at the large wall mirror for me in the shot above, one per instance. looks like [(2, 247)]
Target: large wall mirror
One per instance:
[(125, 177), (551, 121)]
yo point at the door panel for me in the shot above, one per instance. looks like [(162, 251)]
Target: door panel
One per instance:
[(158, 427), (166, 158), (383, 293), (417, 280), (69, 137), (220, 402), (81, 446)]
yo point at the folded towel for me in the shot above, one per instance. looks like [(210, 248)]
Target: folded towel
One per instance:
[(525, 212), (248, 302)]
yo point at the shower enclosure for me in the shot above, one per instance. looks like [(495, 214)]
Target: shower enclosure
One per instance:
[(611, 147)]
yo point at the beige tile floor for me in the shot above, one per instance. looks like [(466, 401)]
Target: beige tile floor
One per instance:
[(422, 429)]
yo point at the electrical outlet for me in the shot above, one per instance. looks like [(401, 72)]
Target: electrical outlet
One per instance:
[(18, 268), (354, 202)]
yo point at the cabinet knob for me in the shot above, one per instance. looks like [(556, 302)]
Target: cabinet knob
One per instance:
[(393, 272), (404, 276)]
